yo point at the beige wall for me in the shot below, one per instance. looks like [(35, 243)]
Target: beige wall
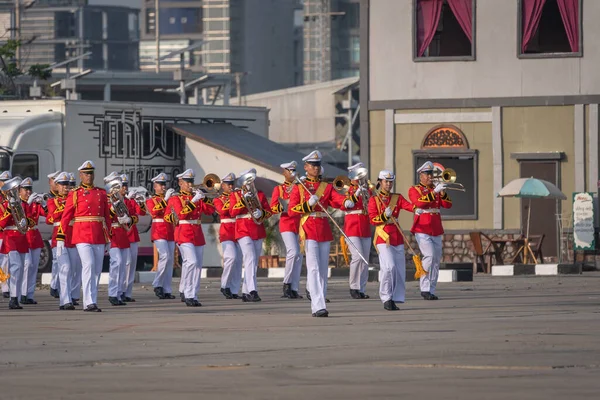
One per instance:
[(537, 129), (377, 143)]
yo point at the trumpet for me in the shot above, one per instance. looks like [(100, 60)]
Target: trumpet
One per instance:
[(210, 186), (448, 177), (342, 184)]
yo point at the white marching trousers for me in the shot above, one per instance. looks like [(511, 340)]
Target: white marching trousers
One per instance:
[(317, 265), (64, 277), (164, 268), (4, 266), (32, 260), (191, 269), (131, 266), (359, 271), (54, 281), (232, 266), (16, 263), (116, 273), (392, 273), (91, 256), (431, 248), (75, 263), (251, 251), (293, 259)]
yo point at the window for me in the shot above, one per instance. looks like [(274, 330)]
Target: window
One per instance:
[(444, 30), (548, 28), (447, 147), (26, 165)]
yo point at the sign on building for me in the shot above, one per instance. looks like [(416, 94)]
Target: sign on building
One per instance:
[(583, 221)]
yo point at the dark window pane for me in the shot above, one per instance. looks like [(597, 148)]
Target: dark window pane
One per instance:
[(26, 165)]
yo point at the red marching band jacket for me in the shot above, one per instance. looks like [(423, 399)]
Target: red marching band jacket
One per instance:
[(34, 237), (162, 219), (386, 231), (135, 212), (244, 224), (189, 229), (356, 221), (227, 229), (430, 220), (13, 239), (314, 223), (87, 207), (288, 222), (56, 206)]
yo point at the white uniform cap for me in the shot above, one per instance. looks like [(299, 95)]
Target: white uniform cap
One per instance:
[(387, 175), (160, 178), (63, 178), (187, 174), (87, 166), (230, 177), (314, 157), (428, 166), (72, 177), (53, 175), (27, 182), (290, 165), (356, 166), (5, 176), (112, 176), (125, 179), (251, 170)]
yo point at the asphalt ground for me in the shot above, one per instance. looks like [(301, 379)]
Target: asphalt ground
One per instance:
[(528, 337)]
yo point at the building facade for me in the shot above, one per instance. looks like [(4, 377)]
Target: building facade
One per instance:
[(497, 90)]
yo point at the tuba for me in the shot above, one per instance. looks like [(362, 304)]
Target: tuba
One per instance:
[(448, 177), (11, 189), (246, 183), (113, 189), (211, 185)]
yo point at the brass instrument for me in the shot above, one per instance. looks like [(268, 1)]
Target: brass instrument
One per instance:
[(342, 184), (113, 189), (3, 276), (448, 177), (141, 195), (11, 189), (175, 218), (210, 186), (252, 202)]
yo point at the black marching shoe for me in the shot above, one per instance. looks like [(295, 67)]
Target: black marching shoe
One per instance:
[(245, 298), (192, 303), (75, 302), (13, 304), (287, 291), (235, 296), (255, 296), (433, 297), (226, 292), (92, 308), (308, 295), (321, 313), (115, 301), (23, 299), (129, 300), (296, 295), (68, 306), (354, 293), (364, 296), (54, 293), (29, 301), (169, 296), (6, 295), (159, 292), (390, 305), (182, 297), (426, 296)]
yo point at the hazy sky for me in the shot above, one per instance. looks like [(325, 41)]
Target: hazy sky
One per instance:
[(126, 3)]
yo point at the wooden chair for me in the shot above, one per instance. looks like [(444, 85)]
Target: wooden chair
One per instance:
[(535, 243), (483, 254)]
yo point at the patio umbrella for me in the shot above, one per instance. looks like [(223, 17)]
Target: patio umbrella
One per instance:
[(531, 188)]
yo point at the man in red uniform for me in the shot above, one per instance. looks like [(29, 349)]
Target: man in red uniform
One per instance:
[(135, 211), (388, 241), (358, 230), (232, 254), (87, 207), (288, 227), (249, 233), (15, 244), (162, 235), (189, 207), (4, 176), (427, 225), (36, 207), (314, 228)]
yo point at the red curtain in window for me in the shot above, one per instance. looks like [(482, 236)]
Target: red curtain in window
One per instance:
[(569, 11), (531, 14), (463, 11), (428, 18)]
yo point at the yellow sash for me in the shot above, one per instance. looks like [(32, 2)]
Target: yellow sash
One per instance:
[(379, 229), (301, 233)]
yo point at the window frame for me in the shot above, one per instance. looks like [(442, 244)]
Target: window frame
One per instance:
[(33, 177), (445, 152), (472, 57), (525, 56)]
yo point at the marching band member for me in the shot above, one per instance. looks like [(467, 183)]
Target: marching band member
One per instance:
[(288, 227), (358, 230), (427, 225), (56, 206), (314, 228), (162, 235), (119, 247), (87, 206), (189, 207), (14, 246), (54, 281), (36, 207), (135, 211), (232, 254), (74, 260), (4, 176), (388, 241), (249, 233)]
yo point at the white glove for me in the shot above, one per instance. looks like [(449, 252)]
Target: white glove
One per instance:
[(313, 200), (388, 212), (131, 194), (349, 204), (199, 196), (419, 211), (256, 214), (23, 223), (125, 220), (60, 248), (248, 195), (32, 198), (359, 191), (169, 193), (439, 187)]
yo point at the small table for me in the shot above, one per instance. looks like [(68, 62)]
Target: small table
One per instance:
[(500, 244)]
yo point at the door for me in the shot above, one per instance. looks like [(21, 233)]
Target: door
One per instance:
[(543, 211)]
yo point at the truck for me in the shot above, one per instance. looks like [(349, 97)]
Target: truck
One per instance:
[(38, 137)]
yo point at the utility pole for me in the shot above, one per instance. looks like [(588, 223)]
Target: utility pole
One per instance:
[(18, 28), (157, 33)]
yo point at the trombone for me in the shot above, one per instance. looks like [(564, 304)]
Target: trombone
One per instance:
[(448, 177), (210, 186)]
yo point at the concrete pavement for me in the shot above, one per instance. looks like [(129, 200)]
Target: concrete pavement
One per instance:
[(494, 338)]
